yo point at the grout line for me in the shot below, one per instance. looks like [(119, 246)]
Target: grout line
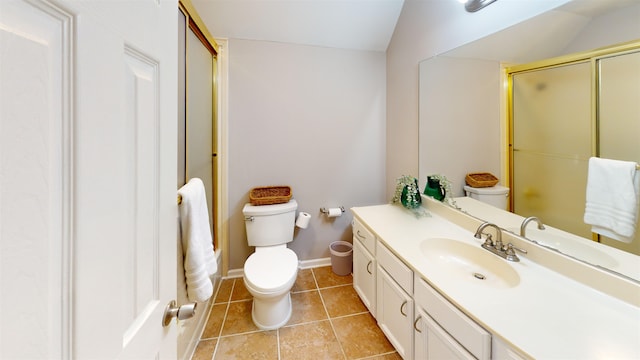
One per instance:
[(335, 334), (278, 342), (224, 319)]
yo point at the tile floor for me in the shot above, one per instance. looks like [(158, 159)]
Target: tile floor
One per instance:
[(328, 322)]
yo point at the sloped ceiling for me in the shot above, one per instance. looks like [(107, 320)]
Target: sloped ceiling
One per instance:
[(347, 24), (544, 36), (369, 24)]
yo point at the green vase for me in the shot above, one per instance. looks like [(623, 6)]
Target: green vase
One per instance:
[(434, 189), (411, 196)]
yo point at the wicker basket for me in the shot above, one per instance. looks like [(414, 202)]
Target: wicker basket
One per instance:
[(269, 195), (480, 180)]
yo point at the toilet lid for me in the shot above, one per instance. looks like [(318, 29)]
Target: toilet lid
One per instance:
[(271, 269)]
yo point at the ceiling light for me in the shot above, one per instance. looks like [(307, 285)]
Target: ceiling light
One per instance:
[(475, 5)]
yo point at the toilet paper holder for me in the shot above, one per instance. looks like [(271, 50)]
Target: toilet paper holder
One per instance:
[(326, 211)]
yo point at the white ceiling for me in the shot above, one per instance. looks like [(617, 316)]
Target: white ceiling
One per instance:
[(346, 24), (367, 24)]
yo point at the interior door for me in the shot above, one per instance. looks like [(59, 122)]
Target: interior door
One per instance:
[(125, 190), (89, 154)]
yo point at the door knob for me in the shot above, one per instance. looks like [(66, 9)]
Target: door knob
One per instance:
[(180, 312)]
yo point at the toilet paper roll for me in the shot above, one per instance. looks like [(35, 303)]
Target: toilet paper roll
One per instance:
[(334, 212), (303, 220)]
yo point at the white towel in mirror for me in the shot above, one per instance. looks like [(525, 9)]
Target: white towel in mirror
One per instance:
[(613, 189)]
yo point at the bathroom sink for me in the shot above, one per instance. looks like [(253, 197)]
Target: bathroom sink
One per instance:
[(469, 262)]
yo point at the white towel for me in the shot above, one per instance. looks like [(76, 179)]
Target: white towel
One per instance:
[(197, 242), (613, 189)]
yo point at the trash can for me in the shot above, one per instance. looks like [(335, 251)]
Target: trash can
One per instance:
[(341, 257)]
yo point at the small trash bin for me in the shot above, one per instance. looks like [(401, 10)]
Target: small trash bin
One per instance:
[(341, 257)]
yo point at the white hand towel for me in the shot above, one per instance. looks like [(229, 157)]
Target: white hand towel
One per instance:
[(197, 242), (613, 189)]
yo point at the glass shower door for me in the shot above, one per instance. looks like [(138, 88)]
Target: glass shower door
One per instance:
[(552, 133)]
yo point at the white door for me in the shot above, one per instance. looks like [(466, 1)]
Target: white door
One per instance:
[(87, 179)]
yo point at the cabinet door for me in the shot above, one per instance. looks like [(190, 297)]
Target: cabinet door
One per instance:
[(436, 343), (420, 335), (502, 351), (395, 313), (364, 275)]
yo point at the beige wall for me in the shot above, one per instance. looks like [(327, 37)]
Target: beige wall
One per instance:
[(312, 118)]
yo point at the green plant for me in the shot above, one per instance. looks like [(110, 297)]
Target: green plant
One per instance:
[(408, 195), (446, 185)]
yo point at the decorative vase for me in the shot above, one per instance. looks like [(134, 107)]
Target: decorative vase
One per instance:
[(411, 196), (434, 189)]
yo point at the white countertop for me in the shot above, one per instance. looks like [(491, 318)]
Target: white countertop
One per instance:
[(546, 316)]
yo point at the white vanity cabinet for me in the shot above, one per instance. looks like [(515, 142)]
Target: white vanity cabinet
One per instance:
[(419, 322), (433, 342), (444, 332), (364, 265), (395, 300)]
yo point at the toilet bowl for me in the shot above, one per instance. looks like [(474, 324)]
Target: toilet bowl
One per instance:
[(270, 272), (269, 275)]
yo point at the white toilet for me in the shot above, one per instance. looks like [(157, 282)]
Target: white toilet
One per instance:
[(269, 273), (494, 195)]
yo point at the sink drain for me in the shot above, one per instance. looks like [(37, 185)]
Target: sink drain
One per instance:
[(479, 276)]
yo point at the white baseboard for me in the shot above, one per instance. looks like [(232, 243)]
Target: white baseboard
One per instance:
[(308, 264), (304, 264)]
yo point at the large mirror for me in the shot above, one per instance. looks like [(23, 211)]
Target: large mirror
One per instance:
[(468, 82)]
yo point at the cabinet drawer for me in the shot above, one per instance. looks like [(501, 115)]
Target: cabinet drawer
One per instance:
[(400, 272), (366, 237), (469, 334)]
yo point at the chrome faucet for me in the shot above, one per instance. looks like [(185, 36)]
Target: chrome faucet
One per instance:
[(489, 241), (507, 252), (523, 227)]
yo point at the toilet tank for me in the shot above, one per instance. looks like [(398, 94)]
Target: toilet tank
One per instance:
[(494, 195), (269, 225)]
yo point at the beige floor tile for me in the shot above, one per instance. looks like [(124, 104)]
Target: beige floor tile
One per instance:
[(304, 281), (224, 291), (360, 336), (392, 356), (204, 350), (215, 321), (261, 345), (239, 318), (305, 307), (342, 300), (313, 341), (240, 291), (326, 277)]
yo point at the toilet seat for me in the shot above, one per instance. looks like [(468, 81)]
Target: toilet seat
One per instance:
[(271, 270)]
